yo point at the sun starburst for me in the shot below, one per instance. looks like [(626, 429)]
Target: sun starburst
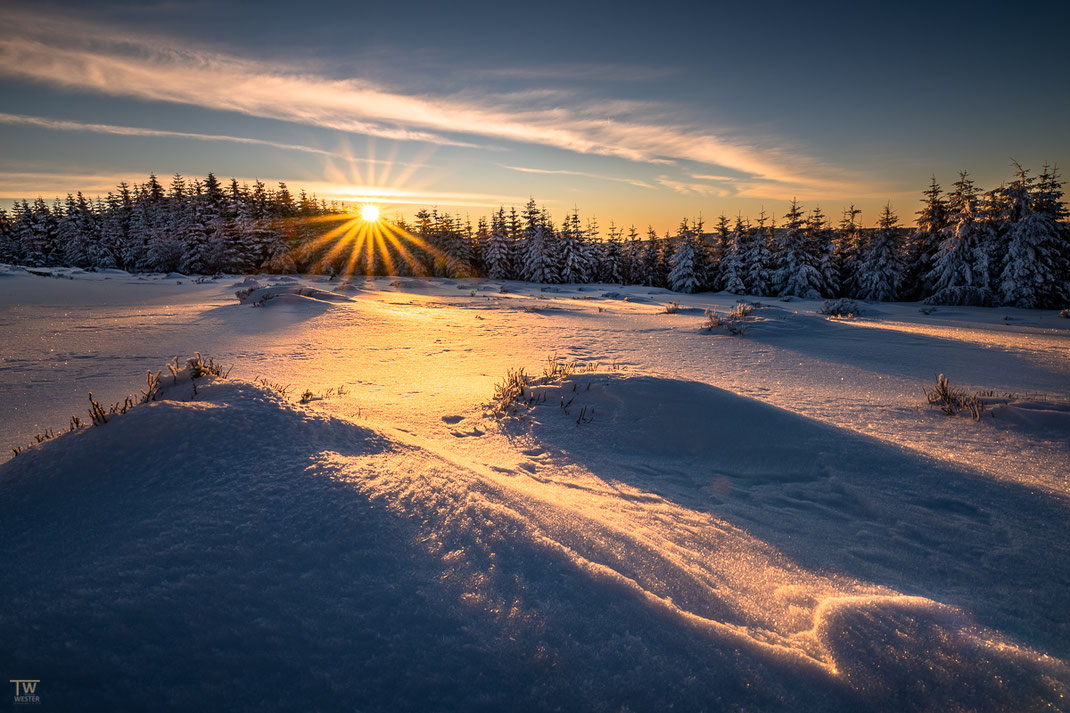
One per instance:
[(370, 212)]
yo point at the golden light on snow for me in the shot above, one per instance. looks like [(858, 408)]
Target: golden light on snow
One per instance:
[(370, 212)]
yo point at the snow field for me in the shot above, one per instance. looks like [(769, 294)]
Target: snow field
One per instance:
[(738, 526)]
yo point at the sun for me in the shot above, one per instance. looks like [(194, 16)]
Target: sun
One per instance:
[(370, 213)]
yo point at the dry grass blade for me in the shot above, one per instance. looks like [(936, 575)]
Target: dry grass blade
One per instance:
[(952, 401), (512, 391)]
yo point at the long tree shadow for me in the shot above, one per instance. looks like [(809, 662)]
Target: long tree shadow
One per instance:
[(829, 499)]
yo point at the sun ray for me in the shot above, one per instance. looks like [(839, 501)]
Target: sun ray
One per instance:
[(388, 259), (338, 247), (358, 238)]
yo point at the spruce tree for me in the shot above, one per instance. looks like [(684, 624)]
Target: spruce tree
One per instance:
[(71, 235), (733, 264), (538, 265), (953, 276), (848, 243), (880, 263), (757, 260), (1048, 201), (797, 274), (613, 257), (8, 248), (105, 254), (573, 262), (924, 242), (652, 273), (718, 254), (706, 270), (1030, 275), (683, 277), (823, 246), (480, 243), (633, 263), (499, 257)]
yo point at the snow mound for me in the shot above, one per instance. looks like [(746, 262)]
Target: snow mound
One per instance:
[(286, 294), (1036, 416), (651, 416), (411, 284), (249, 281)]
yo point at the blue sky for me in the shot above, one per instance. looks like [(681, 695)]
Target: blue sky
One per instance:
[(635, 113)]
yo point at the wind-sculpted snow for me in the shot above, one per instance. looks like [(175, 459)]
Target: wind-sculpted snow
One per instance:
[(238, 542), (235, 548), (740, 506)]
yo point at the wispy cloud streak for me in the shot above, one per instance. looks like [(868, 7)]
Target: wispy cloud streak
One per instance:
[(66, 125), (584, 174), (89, 58), (694, 189)]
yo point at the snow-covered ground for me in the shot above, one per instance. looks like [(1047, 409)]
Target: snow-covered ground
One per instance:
[(776, 521)]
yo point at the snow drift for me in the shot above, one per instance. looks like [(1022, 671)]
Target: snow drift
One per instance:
[(235, 542)]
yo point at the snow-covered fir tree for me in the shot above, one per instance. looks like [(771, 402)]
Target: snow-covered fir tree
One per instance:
[(1048, 201), (705, 268), (718, 253), (880, 260), (650, 269), (574, 264), (592, 249), (848, 241), (480, 240), (993, 219), (499, 255), (77, 231), (613, 257), (8, 245), (538, 259), (665, 250), (1030, 275), (953, 276), (733, 262), (924, 242), (757, 259), (633, 257), (684, 275), (823, 246), (36, 228), (796, 274)]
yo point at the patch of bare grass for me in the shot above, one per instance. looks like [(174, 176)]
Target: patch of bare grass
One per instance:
[(734, 321), (196, 367)]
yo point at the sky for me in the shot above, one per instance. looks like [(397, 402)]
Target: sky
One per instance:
[(634, 113)]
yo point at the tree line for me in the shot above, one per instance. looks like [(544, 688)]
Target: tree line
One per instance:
[(198, 226), (1005, 246)]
